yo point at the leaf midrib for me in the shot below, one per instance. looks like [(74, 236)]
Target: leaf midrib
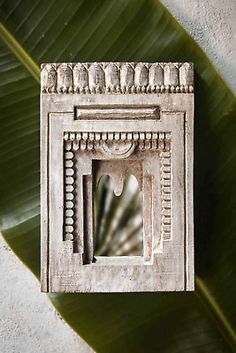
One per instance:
[(202, 291), (20, 52)]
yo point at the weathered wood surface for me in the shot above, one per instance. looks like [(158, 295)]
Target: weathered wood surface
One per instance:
[(118, 118)]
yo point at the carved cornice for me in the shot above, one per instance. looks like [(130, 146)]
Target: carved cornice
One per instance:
[(97, 78)]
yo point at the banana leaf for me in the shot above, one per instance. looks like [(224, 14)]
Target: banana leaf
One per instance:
[(33, 32)]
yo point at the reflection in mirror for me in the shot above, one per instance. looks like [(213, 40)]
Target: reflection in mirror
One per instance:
[(118, 220)]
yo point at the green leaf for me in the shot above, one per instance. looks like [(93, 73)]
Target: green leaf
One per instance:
[(51, 31)]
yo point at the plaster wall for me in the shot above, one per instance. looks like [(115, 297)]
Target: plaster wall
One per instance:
[(212, 23), (28, 322)]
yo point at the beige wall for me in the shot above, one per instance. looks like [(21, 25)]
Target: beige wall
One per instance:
[(212, 23)]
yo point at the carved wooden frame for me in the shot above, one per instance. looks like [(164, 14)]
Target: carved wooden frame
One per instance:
[(140, 117)]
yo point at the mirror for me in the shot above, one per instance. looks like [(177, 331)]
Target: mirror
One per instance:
[(118, 220)]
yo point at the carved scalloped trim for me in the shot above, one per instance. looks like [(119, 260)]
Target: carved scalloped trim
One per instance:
[(97, 78), (142, 140)]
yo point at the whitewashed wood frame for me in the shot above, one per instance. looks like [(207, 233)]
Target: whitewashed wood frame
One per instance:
[(117, 118)]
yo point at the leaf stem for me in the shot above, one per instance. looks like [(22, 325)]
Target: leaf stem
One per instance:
[(207, 298), (19, 52)]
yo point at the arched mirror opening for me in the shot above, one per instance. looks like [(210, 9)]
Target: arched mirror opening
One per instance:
[(118, 219)]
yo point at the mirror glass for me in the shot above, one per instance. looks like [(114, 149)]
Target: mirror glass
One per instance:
[(118, 220)]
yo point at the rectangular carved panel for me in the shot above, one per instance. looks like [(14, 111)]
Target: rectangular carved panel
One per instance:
[(117, 119), (114, 112)]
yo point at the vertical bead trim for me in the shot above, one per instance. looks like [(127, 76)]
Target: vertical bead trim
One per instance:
[(165, 166), (69, 191)]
